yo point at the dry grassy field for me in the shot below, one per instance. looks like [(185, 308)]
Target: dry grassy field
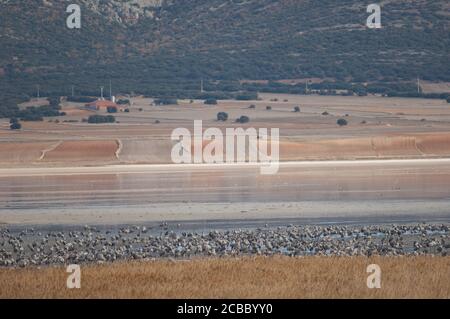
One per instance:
[(253, 277), (379, 128)]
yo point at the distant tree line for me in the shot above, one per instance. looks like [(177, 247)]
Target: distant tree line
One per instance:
[(210, 101), (99, 119), (37, 113), (123, 102), (166, 101), (81, 99)]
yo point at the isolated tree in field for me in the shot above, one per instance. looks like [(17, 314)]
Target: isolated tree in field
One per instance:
[(111, 109), (342, 122), (297, 109), (252, 106), (325, 113), (222, 116), (15, 126), (268, 108), (243, 119)]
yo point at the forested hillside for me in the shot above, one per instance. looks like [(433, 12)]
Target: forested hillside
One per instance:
[(166, 47)]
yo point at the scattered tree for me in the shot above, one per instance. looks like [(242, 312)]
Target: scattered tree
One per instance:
[(297, 109), (268, 108), (243, 119), (97, 119), (81, 99), (123, 102), (54, 102), (247, 96), (211, 101), (342, 122), (15, 126), (165, 101), (31, 117), (222, 116), (111, 109)]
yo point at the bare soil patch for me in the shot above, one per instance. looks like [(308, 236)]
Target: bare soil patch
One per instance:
[(22, 152), (82, 151)]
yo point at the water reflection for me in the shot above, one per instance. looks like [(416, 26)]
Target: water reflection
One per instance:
[(225, 185)]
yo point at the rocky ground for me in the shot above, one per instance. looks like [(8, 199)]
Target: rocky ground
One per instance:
[(33, 247)]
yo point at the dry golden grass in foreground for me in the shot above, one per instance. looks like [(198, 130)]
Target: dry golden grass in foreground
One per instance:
[(259, 277)]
